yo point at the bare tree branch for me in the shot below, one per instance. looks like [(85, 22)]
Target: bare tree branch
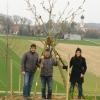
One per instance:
[(33, 9), (43, 24), (49, 10), (63, 12), (76, 11)]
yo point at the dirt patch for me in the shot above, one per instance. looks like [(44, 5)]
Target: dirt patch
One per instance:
[(32, 98)]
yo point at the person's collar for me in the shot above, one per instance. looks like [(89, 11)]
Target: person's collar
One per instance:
[(32, 52), (46, 57), (78, 56)]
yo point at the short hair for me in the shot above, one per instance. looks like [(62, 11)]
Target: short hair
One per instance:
[(33, 45)]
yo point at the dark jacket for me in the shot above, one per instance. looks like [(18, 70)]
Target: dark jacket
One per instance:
[(29, 62), (47, 66), (78, 65)]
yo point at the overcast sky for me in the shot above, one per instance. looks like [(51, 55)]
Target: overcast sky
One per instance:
[(19, 7)]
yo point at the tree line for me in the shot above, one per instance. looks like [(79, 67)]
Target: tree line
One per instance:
[(24, 26)]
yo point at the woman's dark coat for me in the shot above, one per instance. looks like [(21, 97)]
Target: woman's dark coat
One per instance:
[(78, 65)]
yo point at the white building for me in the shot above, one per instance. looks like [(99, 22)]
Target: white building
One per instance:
[(72, 36)]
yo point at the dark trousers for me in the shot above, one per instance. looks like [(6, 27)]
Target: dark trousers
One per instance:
[(80, 89), (28, 79), (46, 80)]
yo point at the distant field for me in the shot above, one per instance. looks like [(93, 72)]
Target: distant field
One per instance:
[(19, 45), (89, 42)]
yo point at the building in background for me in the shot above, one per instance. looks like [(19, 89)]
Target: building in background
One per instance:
[(72, 36)]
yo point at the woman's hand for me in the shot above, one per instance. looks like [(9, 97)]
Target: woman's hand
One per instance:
[(82, 75)]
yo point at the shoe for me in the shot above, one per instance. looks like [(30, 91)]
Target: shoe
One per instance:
[(43, 98), (49, 98), (83, 97), (79, 97), (25, 98)]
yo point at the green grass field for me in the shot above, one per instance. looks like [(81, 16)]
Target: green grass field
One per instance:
[(89, 42), (17, 47)]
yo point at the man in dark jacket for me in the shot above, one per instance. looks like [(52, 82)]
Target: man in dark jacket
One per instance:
[(29, 66), (47, 63), (79, 67)]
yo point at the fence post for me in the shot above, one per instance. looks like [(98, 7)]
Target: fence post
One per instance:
[(67, 87), (19, 83), (56, 89), (96, 91), (11, 88), (36, 84)]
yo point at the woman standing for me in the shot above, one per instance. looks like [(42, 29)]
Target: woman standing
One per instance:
[(79, 67)]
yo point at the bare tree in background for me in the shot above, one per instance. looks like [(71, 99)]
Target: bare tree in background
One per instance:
[(16, 19), (6, 22)]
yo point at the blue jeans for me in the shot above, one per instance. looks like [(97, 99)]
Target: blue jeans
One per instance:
[(28, 79), (46, 80), (80, 89)]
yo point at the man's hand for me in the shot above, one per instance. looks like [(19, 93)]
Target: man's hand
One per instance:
[(42, 57), (23, 72), (82, 75)]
